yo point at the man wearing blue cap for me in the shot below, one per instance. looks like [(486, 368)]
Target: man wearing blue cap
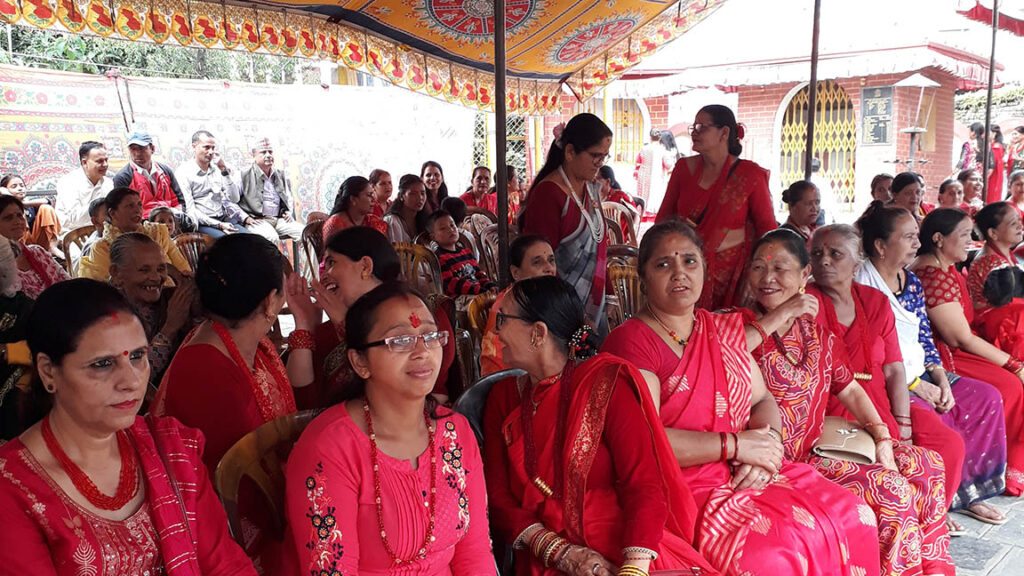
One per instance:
[(154, 181)]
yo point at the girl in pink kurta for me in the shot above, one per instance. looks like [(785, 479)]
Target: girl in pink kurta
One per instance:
[(331, 510), (354, 508)]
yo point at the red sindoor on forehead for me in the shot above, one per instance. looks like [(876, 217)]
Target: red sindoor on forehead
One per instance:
[(414, 320)]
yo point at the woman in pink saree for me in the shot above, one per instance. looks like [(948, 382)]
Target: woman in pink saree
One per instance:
[(758, 513)]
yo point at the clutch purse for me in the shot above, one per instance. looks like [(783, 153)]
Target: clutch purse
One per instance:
[(844, 440)]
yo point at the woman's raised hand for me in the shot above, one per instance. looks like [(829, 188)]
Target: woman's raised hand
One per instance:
[(306, 312)]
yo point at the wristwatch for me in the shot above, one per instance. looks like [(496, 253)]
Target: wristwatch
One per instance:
[(225, 172)]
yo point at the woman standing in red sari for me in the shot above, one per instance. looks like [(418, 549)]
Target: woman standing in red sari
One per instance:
[(580, 476), (760, 513), (725, 199), (804, 367), (945, 234), (94, 488), (564, 206)]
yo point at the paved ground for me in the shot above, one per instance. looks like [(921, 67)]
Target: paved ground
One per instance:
[(988, 550)]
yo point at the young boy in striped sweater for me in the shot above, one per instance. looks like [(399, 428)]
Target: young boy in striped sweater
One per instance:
[(460, 271)]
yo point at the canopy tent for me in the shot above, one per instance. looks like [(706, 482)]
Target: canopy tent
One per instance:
[(1011, 13), (445, 48)]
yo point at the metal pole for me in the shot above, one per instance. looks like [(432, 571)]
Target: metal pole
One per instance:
[(500, 138), (987, 149), (812, 91)]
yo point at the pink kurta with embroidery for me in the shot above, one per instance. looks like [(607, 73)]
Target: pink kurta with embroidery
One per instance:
[(43, 272), (333, 516)]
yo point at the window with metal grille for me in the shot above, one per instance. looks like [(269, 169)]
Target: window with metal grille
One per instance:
[(628, 125), (835, 139), (515, 136)]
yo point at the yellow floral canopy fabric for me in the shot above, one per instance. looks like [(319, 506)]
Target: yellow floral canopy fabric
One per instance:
[(442, 47)]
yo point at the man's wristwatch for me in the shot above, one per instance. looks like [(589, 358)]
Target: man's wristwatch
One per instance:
[(225, 172)]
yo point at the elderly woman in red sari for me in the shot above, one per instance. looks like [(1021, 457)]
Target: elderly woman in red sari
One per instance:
[(356, 260), (804, 365), (388, 482), (760, 513), (945, 234), (725, 199), (908, 193), (564, 206), (580, 475), (94, 488), (998, 312), (889, 237)]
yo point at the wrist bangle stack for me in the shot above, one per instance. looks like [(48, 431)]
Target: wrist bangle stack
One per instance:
[(775, 434), (629, 570), (301, 340), (1014, 365), (639, 553)]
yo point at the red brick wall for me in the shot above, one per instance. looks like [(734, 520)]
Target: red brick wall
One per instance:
[(760, 107), (657, 107)]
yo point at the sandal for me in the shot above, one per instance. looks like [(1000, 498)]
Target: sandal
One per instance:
[(985, 519)]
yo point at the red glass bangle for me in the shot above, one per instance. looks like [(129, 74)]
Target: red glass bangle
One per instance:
[(725, 447), (301, 340)]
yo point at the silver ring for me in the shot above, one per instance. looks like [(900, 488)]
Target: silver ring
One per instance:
[(596, 566), (762, 477)]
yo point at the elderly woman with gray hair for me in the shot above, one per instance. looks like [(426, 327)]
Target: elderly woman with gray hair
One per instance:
[(861, 318)]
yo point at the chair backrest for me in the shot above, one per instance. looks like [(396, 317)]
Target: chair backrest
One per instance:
[(260, 455), (313, 245), (472, 403), (488, 243), (479, 309), (623, 254), (192, 245), (420, 267), (614, 231), (619, 213), (77, 238), (625, 284), (476, 210)]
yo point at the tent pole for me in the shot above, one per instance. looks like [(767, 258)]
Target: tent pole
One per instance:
[(500, 138), (986, 151), (812, 91)]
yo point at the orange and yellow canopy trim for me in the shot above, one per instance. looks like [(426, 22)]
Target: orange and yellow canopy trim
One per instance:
[(442, 47)]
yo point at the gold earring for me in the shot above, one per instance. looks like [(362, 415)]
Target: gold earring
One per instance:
[(365, 275), (50, 388)]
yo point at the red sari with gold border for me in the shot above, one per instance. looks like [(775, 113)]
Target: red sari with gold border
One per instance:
[(615, 479), (799, 524)]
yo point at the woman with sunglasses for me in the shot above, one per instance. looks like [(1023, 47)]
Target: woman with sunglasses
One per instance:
[(388, 482), (725, 199), (580, 474), (564, 206)]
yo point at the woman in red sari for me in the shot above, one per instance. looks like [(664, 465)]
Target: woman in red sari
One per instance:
[(945, 234), (94, 488), (579, 473), (998, 159), (356, 260), (804, 367), (804, 201), (998, 313), (564, 206), (227, 378), (908, 193), (759, 513), (36, 267), (725, 199), (353, 207)]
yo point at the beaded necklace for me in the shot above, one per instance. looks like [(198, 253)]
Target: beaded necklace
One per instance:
[(865, 339), (803, 345), (432, 506), (127, 483), (671, 333), (528, 410)]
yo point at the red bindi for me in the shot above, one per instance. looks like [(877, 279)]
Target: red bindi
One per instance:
[(414, 320), (125, 352), (768, 257), (113, 315)]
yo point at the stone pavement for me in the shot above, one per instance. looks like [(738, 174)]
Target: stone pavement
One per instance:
[(988, 550)]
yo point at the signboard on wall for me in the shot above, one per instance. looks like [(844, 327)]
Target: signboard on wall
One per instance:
[(876, 115)]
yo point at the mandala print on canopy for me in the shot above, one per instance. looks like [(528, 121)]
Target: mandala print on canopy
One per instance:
[(588, 42), (40, 163), (473, 20)]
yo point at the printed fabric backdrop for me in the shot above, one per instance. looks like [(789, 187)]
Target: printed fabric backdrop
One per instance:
[(320, 135)]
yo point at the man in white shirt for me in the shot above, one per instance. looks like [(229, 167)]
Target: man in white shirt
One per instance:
[(77, 189), (211, 195)]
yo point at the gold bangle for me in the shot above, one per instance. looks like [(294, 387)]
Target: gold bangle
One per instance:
[(914, 384), (629, 570)]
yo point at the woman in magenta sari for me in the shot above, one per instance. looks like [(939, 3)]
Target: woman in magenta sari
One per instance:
[(95, 489), (760, 513), (940, 401), (804, 367), (725, 199), (606, 492), (564, 206)]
